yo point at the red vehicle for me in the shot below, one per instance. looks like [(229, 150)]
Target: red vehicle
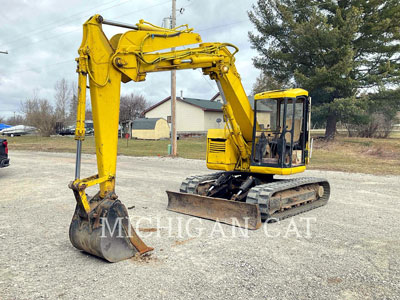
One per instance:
[(4, 160)]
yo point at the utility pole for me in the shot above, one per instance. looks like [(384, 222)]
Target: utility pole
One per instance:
[(173, 91)]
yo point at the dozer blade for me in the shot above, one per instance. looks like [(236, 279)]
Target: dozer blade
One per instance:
[(106, 232), (225, 211)]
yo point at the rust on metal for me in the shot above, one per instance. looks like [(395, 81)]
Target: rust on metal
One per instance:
[(295, 197), (138, 243), (148, 229), (235, 213), (94, 233)]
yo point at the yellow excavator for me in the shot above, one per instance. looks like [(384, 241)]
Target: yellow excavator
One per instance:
[(273, 138)]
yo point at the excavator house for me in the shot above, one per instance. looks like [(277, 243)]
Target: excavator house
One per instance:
[(256, 144)]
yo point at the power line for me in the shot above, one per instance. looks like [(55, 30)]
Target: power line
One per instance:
[(202, 76), (45, 39), (224, 25), (67, 32), (162, 3), (209, 83), (73, 30), (70, 60), (45, 67), (205, 29), (190, 3), (64, 23)]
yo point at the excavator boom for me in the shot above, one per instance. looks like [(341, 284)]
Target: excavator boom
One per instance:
[(105, 63)]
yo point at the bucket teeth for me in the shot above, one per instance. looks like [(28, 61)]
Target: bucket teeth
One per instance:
[(106, 232)]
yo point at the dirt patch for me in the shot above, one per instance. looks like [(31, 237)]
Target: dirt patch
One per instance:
[(178, 243), (145, 258), (334, 280)]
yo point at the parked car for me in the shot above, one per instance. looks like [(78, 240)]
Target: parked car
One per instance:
[(70, 130), (4, 160), (89, 131)]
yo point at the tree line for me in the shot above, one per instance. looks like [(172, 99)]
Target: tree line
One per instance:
[(345, 53), (49, 116)]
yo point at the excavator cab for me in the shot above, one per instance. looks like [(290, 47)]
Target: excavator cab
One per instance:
[(280, 133)]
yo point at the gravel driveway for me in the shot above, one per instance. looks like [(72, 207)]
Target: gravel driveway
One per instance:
[(348, 249)]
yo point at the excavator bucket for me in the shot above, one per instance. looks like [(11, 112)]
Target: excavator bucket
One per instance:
[(235, 213), (106, 232)]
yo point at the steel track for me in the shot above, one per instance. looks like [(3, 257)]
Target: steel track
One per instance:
[(262, 194)]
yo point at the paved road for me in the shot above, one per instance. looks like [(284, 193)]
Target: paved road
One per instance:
[(348, 249)]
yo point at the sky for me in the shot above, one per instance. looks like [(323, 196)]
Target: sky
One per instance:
[(42, 38)]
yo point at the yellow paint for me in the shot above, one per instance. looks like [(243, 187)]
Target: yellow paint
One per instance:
[(277, 171), (218, 140), (82, 184), (133, 54), (84, 201), (81, 109), (290, 93)]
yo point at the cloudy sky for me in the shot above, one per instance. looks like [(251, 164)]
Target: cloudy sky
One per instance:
[(42, 38)]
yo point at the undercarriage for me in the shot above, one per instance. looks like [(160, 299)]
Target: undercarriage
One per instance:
[(243, 199)]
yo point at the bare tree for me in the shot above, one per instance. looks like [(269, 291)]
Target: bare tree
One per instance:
[(73, 103), (265, 83), (88, 114), (132, 106), (62, 97), (40, 114), (15, 120)]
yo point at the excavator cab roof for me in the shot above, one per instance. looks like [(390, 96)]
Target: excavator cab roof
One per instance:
[(290, 93)]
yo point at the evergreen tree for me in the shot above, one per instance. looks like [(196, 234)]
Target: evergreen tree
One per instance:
[(334, 49)]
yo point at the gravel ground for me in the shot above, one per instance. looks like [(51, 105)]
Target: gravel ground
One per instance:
[(350, 250)]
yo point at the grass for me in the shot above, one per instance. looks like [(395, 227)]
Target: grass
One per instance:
[(361, 155), (188, 148)]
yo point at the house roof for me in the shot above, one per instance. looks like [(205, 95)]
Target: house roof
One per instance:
[(145, 123), (205, 105)]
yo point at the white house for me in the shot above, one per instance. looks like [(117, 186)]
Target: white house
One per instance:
[(192, 115)]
